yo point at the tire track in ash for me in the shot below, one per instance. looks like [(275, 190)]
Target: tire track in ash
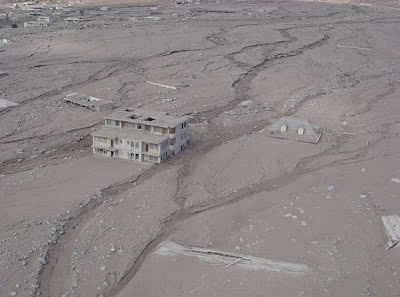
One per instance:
[(215, 138)]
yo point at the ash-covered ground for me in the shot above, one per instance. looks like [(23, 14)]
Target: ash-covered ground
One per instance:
[(72, 224)]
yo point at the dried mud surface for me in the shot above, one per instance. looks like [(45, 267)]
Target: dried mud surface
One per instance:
[(72, 224)]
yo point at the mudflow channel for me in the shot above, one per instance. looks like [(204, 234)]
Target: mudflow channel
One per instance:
[(215, 138)]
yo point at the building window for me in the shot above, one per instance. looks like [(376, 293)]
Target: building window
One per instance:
[(100, 139), (137, 144), (112, 123), (152, 158), (172, 141), (153, 146), (171, 130), (300, 131), (181, 136), (127, 142), (284, 128), (157, 129), (139, 127)]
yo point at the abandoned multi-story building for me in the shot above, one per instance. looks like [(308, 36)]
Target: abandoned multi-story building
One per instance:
[(141, 135)]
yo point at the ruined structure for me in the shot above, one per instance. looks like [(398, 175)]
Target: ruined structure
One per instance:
[(141, 135), (89, 102)]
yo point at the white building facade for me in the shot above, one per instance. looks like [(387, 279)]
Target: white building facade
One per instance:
[(141, 135)]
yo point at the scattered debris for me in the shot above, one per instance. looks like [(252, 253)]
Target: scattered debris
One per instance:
[(354, 47), (161, 85), (392, 228), (153, 18), (395, 180), (246, 103), (73, 20), (294, 129), (331, 189), (229, 259)]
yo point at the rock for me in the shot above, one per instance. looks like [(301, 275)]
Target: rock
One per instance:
[(245, 103), (42, 261), (363, 196), (24, 263), (363, 170), (331, 189), (303, 223), (20, 151), (19, 160), (13, 293), (395, 180)]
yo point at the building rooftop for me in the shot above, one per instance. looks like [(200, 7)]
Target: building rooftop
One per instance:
[(86, 100), (288, 128), (129, 134), (148, 117)]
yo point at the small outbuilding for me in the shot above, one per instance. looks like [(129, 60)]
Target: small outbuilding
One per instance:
[(294, 129), (89, 102)]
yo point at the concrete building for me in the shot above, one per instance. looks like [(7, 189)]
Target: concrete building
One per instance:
[(36, 24), (45, 18), (73, 20), (141, 135), (89, 102), (294, 129)]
